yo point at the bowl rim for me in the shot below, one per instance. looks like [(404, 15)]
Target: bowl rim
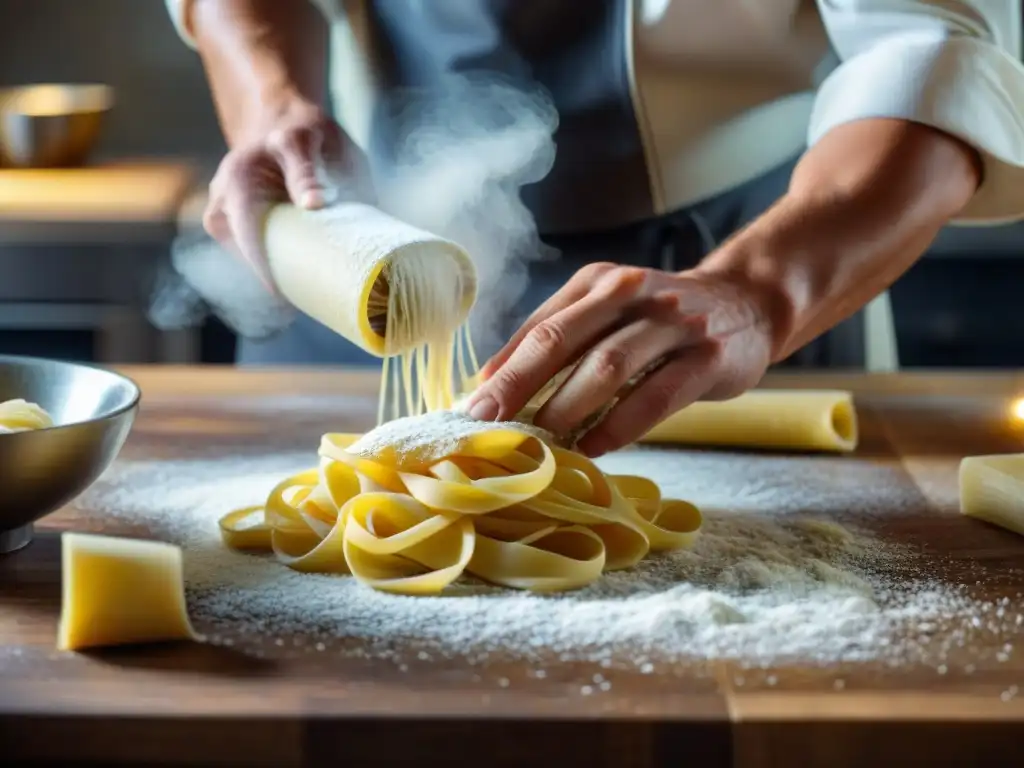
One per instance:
[(133, 403), (107, 91)]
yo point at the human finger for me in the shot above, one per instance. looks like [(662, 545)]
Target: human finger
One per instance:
[(245, 211), (578, 286), (680, 381), (299, 153), (610, 366), (549, 346)]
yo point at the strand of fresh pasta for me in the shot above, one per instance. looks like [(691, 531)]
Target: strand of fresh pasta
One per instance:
[(396, 291), (428, 352)]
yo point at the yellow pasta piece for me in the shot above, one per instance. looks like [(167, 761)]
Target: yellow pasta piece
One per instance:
[(500, 504), (120, 591), (328, 263), (22, 416), (802, 420), (553, 559), (670, 524), (395, 544), (386, 286), (992, 489), (819, 420)]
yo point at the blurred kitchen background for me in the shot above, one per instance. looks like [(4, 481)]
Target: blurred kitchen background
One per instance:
[(78, 249)]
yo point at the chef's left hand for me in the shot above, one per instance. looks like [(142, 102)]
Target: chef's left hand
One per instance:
[(712, 332)]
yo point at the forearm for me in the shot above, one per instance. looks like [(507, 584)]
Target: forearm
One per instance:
[(863, 205), (261, 56)]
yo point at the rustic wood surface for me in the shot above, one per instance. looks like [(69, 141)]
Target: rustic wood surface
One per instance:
[(204, 705)]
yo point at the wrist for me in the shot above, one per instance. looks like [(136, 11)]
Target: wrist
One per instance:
[(749, 263), (263, 58), (273, 106)]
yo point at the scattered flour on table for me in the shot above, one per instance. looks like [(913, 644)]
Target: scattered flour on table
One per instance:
[(772, 577)]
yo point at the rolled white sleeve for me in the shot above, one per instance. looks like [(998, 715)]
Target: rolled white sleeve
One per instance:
[(951, 64), (181, 14)]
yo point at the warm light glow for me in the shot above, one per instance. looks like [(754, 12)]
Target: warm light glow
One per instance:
[(43, 101), (1017, 408), (56, 100)]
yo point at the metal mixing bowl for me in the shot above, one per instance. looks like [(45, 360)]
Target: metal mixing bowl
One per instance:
[(42, 470), (51, 126)]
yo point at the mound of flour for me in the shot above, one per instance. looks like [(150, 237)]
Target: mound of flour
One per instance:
[(778, 572), (432, 436)]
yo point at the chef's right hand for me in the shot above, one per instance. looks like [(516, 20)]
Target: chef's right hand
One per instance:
[(298, 154)]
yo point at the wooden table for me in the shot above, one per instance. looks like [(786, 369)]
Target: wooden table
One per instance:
[(205, 705)]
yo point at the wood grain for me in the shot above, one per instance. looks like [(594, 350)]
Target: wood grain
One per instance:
[(195, 704)]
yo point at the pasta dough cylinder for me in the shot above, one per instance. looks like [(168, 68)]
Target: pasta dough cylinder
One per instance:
[(992, 489), (807, 420), (338, 265), (119, 591)]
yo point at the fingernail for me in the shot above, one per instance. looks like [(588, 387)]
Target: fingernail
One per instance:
[(484, 409), (312, 198)]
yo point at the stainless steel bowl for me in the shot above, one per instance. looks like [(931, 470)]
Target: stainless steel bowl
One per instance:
[(42, 470), (51, 126)]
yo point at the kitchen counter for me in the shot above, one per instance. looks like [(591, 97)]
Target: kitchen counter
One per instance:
[(211, 704), (127, 201), (81, 247)]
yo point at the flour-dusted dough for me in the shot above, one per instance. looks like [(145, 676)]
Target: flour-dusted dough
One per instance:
[(327, 263), (396, 291), (806, 420), (119, 591), (992, 489), (22, 416)]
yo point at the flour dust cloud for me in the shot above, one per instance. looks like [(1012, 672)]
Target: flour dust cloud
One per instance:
[(470, 148), (462, 153)]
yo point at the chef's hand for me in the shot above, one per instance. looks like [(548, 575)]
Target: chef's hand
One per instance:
[(712, 334), (297, 153)]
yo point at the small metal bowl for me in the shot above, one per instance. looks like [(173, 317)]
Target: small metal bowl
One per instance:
[(51, 126), (42, 470)]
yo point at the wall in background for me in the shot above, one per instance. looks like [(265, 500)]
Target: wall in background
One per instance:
[(163, 108), (164, 105)]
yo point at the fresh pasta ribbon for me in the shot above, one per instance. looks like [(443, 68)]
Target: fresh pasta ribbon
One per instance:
[(502, 505), (992, 489), (22, 416)]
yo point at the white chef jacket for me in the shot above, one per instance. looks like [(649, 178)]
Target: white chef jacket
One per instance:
[(713, 92)]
